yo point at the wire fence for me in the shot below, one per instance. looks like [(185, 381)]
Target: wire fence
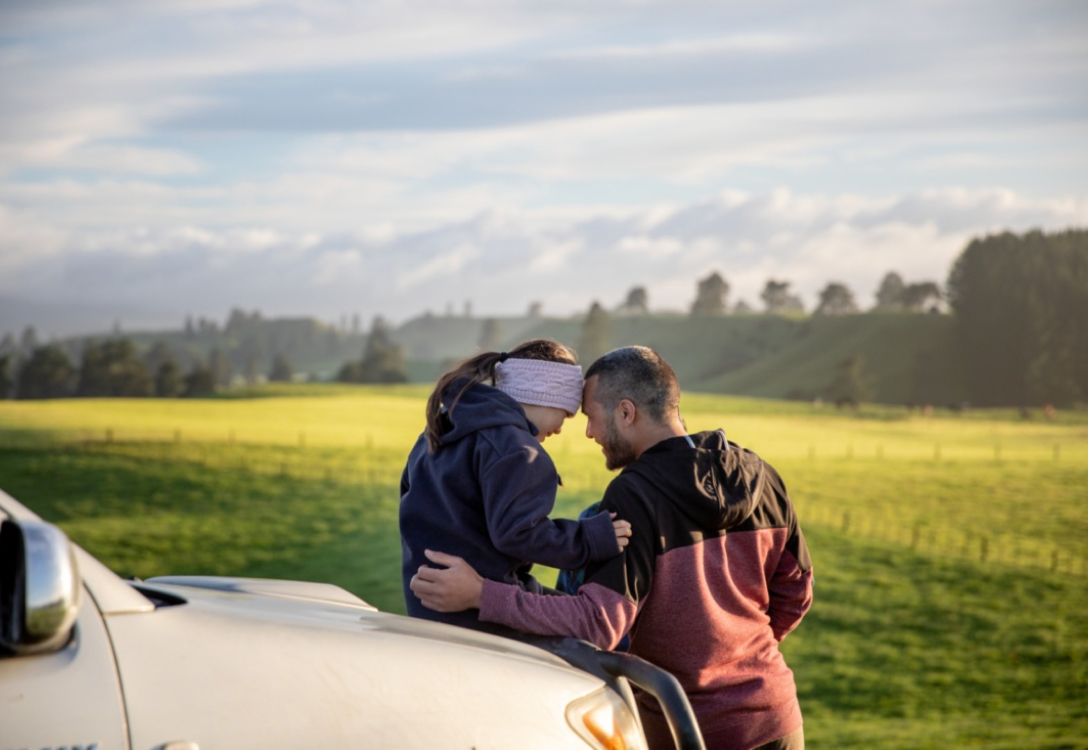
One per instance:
[(373, 465), (950, 542)]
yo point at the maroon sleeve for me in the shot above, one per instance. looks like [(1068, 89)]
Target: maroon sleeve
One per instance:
[(596, 614), (604, 609)]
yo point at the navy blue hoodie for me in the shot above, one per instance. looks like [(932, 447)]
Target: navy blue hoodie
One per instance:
[(485, 495)]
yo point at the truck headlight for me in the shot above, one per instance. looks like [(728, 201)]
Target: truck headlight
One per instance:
[(605, 722)]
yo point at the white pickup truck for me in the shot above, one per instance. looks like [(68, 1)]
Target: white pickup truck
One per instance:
[(89, 661)]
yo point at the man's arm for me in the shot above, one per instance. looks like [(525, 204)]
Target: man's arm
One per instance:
[(790, 587), (596, 613), (790, 595), (601, 612)]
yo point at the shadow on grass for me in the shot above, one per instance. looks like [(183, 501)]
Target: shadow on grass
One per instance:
[(939, 653)]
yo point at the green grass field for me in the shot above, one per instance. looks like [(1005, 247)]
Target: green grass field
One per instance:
[(951, 551)]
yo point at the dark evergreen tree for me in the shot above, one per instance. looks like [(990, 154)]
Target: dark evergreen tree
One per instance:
[(47, 373), (112, 369), (168, 380), (777, 298), (222, 370), (93, 371), (920, 296), (7, 376), (490, 335), (710, 296), (637, 302), (889, 297), (29, 340), (281, 371), (836, 299), (383, 361), (850, 387), (159, 353), (199, 382), (350, 372), (596, 335)]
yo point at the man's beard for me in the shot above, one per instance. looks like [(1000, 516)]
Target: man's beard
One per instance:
[(617, 451)]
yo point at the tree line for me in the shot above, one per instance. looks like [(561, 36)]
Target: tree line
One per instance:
[(113, 369), (836, 298), (712, 299)]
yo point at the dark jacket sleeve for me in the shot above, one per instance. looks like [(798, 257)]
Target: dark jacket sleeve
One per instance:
[(519, 487), (605, 606)]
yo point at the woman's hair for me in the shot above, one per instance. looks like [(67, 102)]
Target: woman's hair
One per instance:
[(481, 369)]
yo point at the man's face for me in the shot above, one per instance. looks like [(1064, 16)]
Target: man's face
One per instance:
[(601, 426)]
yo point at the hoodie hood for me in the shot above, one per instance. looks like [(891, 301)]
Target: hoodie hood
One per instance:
[(716, 484), (481, 407)]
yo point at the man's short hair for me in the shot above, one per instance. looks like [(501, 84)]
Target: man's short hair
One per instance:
[(640, 375)]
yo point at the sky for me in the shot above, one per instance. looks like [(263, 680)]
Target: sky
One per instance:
[(325, 158)]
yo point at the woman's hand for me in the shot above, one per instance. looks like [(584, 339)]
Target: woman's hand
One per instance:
[(623, 531)]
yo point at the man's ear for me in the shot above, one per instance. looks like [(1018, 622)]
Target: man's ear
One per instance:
[(626, 411)]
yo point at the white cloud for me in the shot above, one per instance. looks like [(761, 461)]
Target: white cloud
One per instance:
[(647, 246), (440, 267), (501, 260), (558, 256), (753, 43)]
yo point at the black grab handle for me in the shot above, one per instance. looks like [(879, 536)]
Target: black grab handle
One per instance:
[(662, 686), (611, 665)]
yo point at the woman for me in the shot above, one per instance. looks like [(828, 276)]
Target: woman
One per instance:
[(478, 483)]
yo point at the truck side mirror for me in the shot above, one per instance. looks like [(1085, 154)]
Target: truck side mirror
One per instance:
[(40, 587)]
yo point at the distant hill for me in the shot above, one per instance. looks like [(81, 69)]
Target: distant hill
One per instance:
[(908, 358)]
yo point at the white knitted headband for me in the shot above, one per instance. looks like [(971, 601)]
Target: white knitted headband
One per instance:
[(541, 383)]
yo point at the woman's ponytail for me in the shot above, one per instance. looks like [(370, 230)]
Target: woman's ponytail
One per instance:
[(481, 369)]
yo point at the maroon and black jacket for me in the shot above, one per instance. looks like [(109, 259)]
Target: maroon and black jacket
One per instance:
[(715, 575)]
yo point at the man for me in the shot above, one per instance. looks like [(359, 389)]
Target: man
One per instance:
[(715, 575)]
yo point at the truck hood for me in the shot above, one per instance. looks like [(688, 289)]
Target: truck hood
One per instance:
[(217, 659), (325, 606)]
